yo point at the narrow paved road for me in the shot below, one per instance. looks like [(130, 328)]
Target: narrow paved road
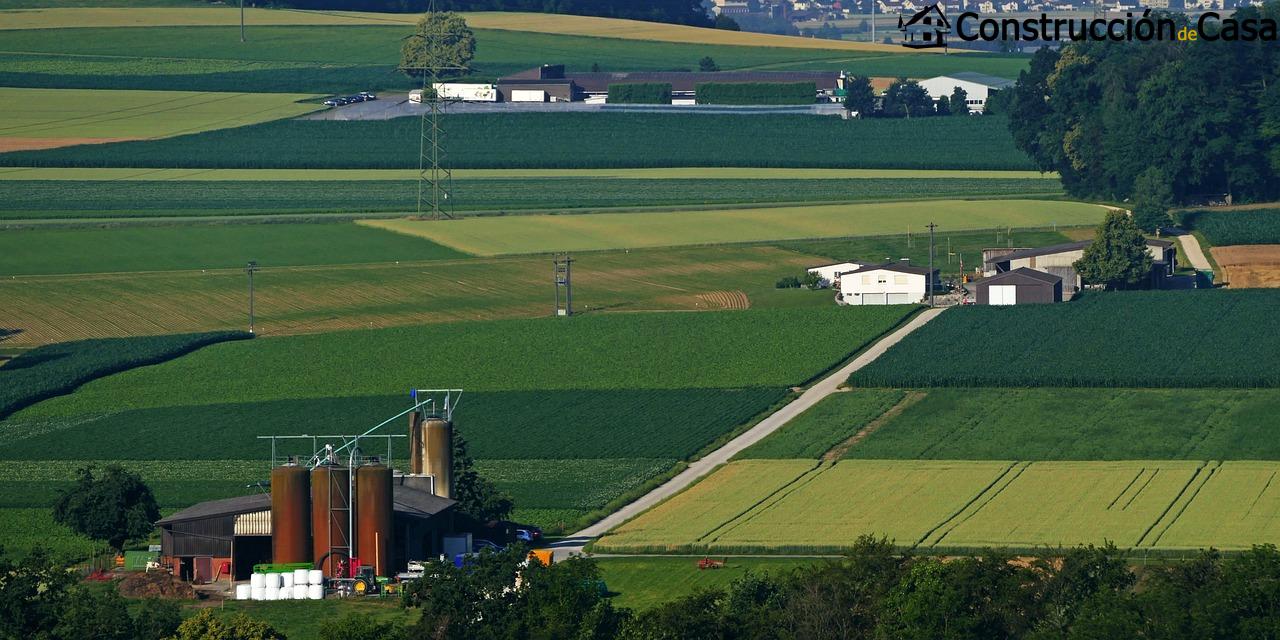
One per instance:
[(1191, 247), (701, 467)]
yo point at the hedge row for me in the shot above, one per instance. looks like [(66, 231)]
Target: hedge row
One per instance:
[(640, 93), (748, 93)]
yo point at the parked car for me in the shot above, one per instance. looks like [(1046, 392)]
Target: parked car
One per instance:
[(368, 96), (480, 544), (331, 102), (528, 533)]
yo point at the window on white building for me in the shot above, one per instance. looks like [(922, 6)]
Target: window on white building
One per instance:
[(899, 279)]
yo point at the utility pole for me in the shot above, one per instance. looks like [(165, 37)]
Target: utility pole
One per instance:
[(564, 281), (929, 278), (873, 21), (241, 20), (250, 269)]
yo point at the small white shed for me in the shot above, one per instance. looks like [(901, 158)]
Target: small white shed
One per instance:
[(829, 274)]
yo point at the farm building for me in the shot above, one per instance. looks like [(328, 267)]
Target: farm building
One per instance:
[(829, 274), (203, 542), (1020, 286), (1059, 259), (977, 87), (889, 283), (562, 86)]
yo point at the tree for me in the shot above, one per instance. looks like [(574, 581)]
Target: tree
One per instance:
[(959, 102), (450, 43), (726, 23), (477, 496), (708, 65), (907, 99), (206, 626), (861, 98), (32, 595), (997, 103), (359, 626), (1118, 257), (1152, 199), (95, 614), (156, 619), (108, 504), (944, 106)]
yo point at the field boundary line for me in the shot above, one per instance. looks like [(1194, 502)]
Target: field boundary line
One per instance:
[(1171, 504), (1126, 488), (728, 525), (980, 500), (907, 401), (709, 462), (1212, 470)]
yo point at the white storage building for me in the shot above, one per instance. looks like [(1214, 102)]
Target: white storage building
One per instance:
[(886, 284), (977, 86), (829, 274)]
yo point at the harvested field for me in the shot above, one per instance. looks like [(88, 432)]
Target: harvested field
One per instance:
[(33, 144), (1249, 266)]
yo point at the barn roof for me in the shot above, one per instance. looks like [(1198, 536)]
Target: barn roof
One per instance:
[(1065, 247), (893, 266), (1020, 273), (981, 78), (406, 500)]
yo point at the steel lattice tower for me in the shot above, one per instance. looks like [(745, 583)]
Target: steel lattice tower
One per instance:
[(435, 179)]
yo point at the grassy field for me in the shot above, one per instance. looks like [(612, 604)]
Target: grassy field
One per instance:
[(793, 506), (1135, 339), (150, 198), (541, 234), (325, 297), (567, 140), (164, 248), (828, 424), (675, 173), (641, 583), (74, 117)]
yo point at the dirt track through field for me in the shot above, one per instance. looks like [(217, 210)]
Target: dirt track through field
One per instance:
[(839, 450)]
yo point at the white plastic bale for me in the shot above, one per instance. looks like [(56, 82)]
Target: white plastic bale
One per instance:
[(272, 581), (272, 593), (257, 580), (300, 577), (286, 581), (300, 591), (258, 593), (315, 592), (244, 592), (315, 576)]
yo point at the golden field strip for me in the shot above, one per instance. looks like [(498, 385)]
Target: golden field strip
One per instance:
[(546, 233), (674, 173), (807, 506), (60, 18)]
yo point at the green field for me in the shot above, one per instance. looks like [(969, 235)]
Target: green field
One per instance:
[(123, 249), (567, 140), (546, 233), (148, 198), (580, 417), (828, 424), (1133, 339), (949, 506), (642, 583), (64, 113), (1224, 228), (325, 297), (670, 173)]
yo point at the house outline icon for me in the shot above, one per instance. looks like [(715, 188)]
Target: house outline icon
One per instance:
[(927, 29)]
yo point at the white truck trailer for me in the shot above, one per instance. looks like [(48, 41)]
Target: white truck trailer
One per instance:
[(460, 92)]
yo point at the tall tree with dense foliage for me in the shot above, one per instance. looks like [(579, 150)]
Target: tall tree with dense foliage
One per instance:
[(959, 102), (477, 496), (452, 45), (1152, 198), (1203, 112), (906, 99), (708, 65), (1118, 257), (943, 107), (861, 98), (108, 504)]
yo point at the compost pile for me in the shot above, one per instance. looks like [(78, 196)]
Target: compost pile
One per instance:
[(155, 584)]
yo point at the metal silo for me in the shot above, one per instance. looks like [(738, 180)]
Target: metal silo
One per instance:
[(438, 461), (290, 514), (373, 517), (417, 446), (330, 512)]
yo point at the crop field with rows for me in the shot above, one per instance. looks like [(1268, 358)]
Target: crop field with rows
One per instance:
[(567, 140), (1223, 339), (1223, 228), (544, 233), (957, 506), (58, 369), (152, 198), (829, 423), (326, 297)]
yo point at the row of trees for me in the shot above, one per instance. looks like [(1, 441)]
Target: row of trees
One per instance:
[(1202, 117), (874, 592), (907, 99), (688, 12)]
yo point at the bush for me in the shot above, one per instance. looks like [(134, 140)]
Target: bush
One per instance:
[(789, 282), (747, 93), (640, 93)]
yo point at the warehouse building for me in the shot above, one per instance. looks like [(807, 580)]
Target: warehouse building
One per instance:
[(558, 85), (890, 283), (212, 539), (977, 87), (1020, 286), (1060, 259)]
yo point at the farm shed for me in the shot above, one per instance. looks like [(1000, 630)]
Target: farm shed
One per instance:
[(889, 283), (1020, 286), (200, 540), (1059, 260), (595, 84), (549, 79), (977, 86), (829, 274)]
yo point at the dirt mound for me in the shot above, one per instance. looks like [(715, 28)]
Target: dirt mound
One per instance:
[(155, 584)]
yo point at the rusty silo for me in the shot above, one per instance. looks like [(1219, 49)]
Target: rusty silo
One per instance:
[(373, 517), (290, 514), (437, 461), (417, 446), (330, 510)]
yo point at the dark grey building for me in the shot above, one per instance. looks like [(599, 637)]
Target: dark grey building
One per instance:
[(1020, 286)]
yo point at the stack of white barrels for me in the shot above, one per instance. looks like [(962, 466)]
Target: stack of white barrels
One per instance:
[(302, 584)]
